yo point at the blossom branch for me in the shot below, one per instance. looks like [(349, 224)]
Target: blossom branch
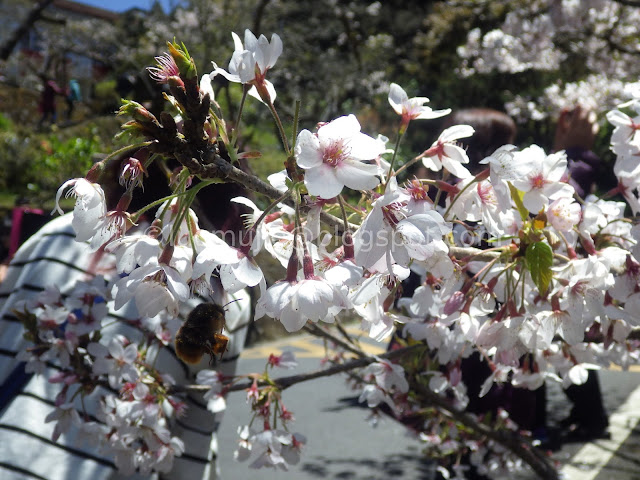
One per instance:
[(319, 332), (519, 446), (286, 382)]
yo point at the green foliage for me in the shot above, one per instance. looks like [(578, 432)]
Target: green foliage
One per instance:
[(539, 261), (5, 123), (36, 164)]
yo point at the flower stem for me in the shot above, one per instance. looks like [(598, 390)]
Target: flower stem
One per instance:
[(393, 158), (271, 206), (413, 160), (245, 90), (458, 196), (283, 135)]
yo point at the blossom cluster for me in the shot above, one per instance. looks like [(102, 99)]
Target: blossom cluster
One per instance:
[(552, 294), (134, 405), (544, 34)]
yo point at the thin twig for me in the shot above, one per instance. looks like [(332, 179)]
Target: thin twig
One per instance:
[(519, 446), (319, 332), (286, 382)]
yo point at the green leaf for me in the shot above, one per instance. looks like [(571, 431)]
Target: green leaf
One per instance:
[(539, 258), (517, 195)]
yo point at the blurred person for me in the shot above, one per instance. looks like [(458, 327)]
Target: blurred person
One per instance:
[(53, 256), (493, 129), (575, 134), (73, 95), (48, 101)]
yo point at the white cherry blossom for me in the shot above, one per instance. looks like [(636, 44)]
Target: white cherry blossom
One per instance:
[(412, 108), (563, 214), (446, 153), (334, 158), (542, 180), (250, 63), (90, 207)]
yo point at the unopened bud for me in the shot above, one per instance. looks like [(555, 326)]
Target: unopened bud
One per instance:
[(185, 63), (347, 243), (307, 266), (292, 267), (454, 303)]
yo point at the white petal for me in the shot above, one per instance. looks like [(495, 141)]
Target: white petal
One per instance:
[(307, 151), (237, 43), (357, 175), (314, 298), (322, 182), (397, 96), (455, 132), (340, 128), (292, 320), (364, 147), (247, 271), (455, 167), (205, 86), (176, 285)]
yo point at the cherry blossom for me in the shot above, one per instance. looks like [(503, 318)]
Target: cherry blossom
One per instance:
[(388, 375), (334, 158), (250, 63), (446, 153), (154, 287), (286, 359), (412, 108), (266, 448), (294, 303), (65, 416), (390, 234), (116, 361), (563, 213), (214, 397), (90, 207), (626, 134), (541, 179)]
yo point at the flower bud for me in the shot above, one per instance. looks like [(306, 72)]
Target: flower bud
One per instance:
[(184, 62), (455, 301)]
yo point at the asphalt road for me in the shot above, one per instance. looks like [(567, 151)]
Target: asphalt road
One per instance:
[(343, 445)]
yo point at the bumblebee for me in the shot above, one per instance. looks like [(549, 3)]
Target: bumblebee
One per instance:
[(201, 333)]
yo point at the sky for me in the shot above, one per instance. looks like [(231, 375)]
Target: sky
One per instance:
[(122, 5)]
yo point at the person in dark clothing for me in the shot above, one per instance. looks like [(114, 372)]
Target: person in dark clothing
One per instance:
[(48, 101), (575, 134)]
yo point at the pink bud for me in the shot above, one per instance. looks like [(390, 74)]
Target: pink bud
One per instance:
[(454, 303)]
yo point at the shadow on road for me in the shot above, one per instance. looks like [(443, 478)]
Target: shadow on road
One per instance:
[(390, 466)]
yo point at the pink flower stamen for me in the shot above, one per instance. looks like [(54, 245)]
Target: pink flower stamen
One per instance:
[(334, 154), (166, 69)]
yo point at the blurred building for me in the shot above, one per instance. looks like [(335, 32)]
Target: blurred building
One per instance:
[(63, 43)]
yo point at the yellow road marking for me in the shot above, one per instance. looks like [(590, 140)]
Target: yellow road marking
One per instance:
[(312, 347), (632, 368)]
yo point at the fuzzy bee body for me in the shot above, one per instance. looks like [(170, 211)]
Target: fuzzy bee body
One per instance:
[(201, 333)]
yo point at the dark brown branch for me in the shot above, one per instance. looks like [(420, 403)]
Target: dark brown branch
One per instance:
[(286, 382), (319, 332), (259, 14), (518, 445)]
